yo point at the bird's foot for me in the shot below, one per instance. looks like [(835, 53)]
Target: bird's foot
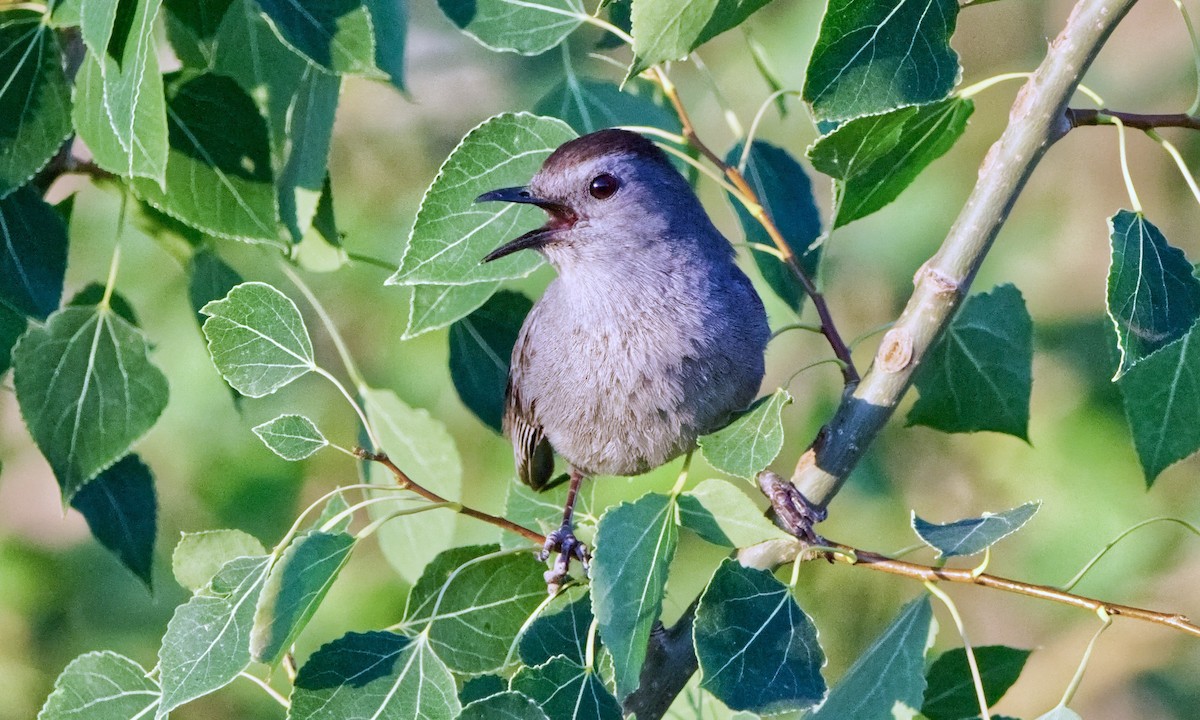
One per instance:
[(794, 511), (568, 547)]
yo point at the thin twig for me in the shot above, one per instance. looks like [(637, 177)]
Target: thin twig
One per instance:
[(754, 206), (408, 483), (1080, 117)]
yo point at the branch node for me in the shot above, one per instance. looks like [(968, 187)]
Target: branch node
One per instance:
[(895, 352)]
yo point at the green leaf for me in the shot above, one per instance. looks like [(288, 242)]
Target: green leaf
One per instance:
[(979, 374), (120, 111), (874, 158), (667, 29), (590, 105), (336, 34), (481, 687), (757, 649), (12, 327), (101, 686), (973, 535), (35, 98), (304, 158), (95, 400), (950, 692), (295, 587), (121, 509), (257, 339), (1162, 401), (872, 57), (209, 279), (201, 17), (635, 543), (749, 443), (291, 437), (890, 673), (723, 515), (1060, 712), (377, 675), (92, 295), (433, 307), (1153, 296), (527, 27), (503, 706), (208, 639), (390, 20), (565, 689), (481, 347), (727, 15), (33, 259), (334, 507), (199, 556), (420, 444), (472, 616), (560, 629), (218, 172), (451, 233), (785, 192)]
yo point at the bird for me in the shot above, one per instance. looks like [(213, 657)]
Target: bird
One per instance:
[(649, 336)]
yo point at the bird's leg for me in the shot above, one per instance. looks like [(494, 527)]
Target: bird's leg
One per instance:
[(564, 542), (797, 514)]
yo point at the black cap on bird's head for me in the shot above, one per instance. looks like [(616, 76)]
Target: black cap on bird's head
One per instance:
[(563, 200)]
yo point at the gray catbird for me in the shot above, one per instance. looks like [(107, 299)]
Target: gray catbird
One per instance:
[(649, 337)]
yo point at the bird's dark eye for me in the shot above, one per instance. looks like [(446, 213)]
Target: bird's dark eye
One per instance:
[(603, 186)]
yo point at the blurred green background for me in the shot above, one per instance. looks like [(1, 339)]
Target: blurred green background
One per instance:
[(62, 595)]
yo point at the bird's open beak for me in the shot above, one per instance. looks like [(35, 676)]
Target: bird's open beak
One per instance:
[(560, 217)]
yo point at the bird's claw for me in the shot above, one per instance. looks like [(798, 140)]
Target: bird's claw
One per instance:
[(794, 511), (568, 547)]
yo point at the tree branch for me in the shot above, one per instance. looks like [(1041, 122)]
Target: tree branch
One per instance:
[(670, 662), (1036, 120), (1080, 117), (404, 481), (751, 200)]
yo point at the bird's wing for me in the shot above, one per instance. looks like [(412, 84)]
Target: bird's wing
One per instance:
[(533, 454)]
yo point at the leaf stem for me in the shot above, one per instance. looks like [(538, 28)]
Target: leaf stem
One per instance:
[(976, 680), (362, 416), (407, 483), (267, 688), (336, 337), (758, 116), (1133, 196), (1070, 584), (1106, 621), (1179, 163), (374, 526), (683, 474), (369, 260), (111, 283), (1191, 30), (976, 88)]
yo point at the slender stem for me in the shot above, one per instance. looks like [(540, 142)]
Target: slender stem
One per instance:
[(404, 481), (1124, 156), (1106, 621), (758, 117), (976, 680), (1070, 584), (795, 326), (1080, 117), (362, 416), (375, 525), (683, 474), (340, 344), (269, 690), (115, 263), (972, 90), (1187, 21), (1174, 153), (750, 199), (369, 260), (1036, 121)]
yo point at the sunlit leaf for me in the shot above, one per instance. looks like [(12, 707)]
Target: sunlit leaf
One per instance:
[(378, 675), (474, 614), (121, 509), (667, 29), (295, 587), (875, 158), (218, 173), (723, 515), (872, 57), (35, 98), (120, 110), (889, 674), (749, 443), (481, 347), (1162, 401), (757, 649), (422, 446), (87, 390), (950, 694), (565, 689), (101, 686), (590, 105), (257, 339), (335, 34), (980, 373), (451, 233), (291, 437), (560, 629), (504, 706), (208, 639), (433, 307), (634, 547), (1153, 295), (727, 15), (1060, 712), (973, 535), (199, 556), (33, 255), (785, 193), (528, 27)]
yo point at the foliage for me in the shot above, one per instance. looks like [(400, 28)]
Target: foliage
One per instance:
[(224, 160)]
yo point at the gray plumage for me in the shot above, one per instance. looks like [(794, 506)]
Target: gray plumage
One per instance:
[(649, 337)]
